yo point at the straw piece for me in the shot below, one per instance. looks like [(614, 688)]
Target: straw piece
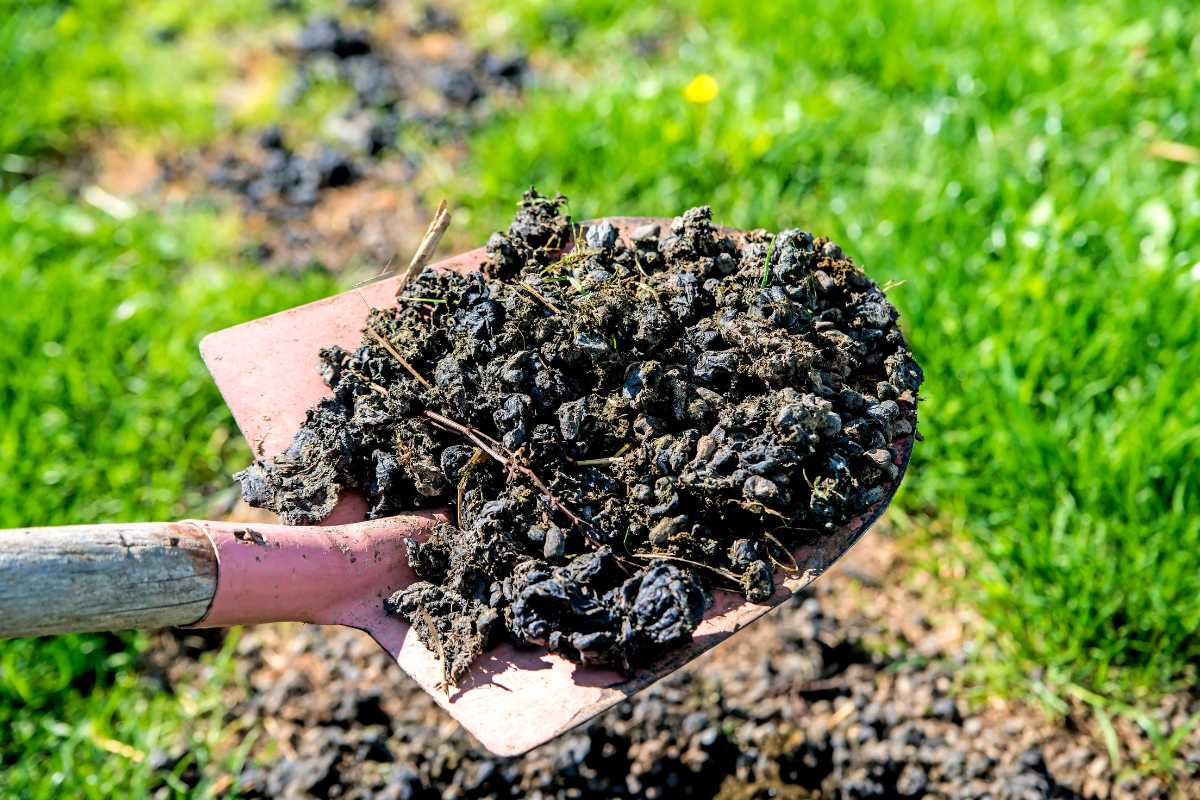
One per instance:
[(429, 243)]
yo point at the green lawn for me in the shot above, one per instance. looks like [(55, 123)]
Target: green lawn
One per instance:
[(108, 411), (110, 415), (993, 156)]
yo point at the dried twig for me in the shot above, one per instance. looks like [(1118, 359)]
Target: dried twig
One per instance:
[(601, 462), (436, 636), (1174, 151), (386, 345), (539, 296), (499, 453), (795, 567), (429, 243), (477, 458), (724, 573), (368, 382), (596, 462)]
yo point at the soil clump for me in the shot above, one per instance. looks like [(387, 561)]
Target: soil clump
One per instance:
[(619, 427)]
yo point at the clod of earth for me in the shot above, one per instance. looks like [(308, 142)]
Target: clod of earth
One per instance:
[(617, 427), (395, 88)]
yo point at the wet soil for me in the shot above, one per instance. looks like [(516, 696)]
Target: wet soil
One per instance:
[(617, 426)]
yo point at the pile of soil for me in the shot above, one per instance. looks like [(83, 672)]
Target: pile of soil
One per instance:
[(618, 426)]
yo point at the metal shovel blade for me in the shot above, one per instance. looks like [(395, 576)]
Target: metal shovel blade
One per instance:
[(512, 700)]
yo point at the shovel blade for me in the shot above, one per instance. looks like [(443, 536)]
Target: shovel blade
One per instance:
[(512, 700)]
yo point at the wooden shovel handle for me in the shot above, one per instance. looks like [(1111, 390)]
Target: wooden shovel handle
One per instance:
[(104, 577)]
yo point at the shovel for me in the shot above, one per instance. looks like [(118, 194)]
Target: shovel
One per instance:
[(215, 574)]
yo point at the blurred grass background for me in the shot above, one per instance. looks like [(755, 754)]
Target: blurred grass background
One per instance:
[(108, 411), (994, 156)]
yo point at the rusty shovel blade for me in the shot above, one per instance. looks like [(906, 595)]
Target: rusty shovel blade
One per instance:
[(512, 700)]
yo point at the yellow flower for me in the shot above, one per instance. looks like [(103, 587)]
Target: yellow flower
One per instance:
[(761, 143), (702, 89), (69, 23)]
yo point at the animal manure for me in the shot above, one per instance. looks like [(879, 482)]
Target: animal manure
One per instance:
[(618, 427)]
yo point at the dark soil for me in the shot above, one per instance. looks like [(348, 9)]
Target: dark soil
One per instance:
[(343, 189), (848, 691), (618, 428), (393, 89)]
